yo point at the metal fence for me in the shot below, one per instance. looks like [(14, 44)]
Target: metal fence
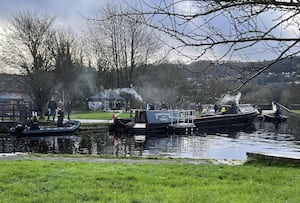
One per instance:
[(18, 111)]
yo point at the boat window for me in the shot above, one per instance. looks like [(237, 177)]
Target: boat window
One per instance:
[(140, 116)]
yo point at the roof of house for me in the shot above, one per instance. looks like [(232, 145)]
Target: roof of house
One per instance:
[(12, 87), (11, 83), (106, 95), (7, 96)]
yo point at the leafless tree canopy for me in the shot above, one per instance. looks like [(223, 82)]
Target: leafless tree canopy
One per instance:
[(28, 46), (28, 42), (121, 43), (228, 30)]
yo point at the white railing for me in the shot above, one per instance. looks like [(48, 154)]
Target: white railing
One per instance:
[(181, 117)]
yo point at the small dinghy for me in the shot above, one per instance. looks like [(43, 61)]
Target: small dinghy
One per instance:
[(68, 128)]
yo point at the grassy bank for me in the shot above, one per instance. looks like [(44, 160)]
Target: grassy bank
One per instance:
[(101, 115), (296, 111), (50, 181)]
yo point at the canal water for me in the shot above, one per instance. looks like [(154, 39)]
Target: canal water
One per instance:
[(283, 138)]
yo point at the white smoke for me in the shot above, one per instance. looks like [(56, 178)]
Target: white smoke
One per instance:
[(231, 98), (130, 91), (154, 93)]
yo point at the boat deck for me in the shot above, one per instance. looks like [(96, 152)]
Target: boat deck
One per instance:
[(182, 125)]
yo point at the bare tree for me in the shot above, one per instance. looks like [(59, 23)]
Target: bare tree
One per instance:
[(28, 46), (227, 30), (65, 53), (122, 44)]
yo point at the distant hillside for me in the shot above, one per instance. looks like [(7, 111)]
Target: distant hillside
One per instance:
[(211, 67)]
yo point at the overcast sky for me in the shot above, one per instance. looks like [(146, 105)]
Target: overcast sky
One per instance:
[(67, 12)]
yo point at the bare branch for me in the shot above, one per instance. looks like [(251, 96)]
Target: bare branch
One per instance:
[(226, 30)]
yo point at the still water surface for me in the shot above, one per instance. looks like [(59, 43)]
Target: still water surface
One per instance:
[(264, 137), (225, 146)]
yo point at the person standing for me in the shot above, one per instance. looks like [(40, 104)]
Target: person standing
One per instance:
[(60, 117), (200, 107), (52, 106), (216, 108), (69, 108), (278, 113)]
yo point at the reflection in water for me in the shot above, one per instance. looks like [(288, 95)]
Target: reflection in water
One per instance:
[(93, 143), (294, 125), (264, 137), (222, 146)]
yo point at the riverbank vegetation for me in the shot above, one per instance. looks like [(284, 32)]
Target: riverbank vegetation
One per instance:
[(61, 181)]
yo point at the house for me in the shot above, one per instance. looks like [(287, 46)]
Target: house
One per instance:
[(12, 87), (105, 100), (15, 104), (6, 97)]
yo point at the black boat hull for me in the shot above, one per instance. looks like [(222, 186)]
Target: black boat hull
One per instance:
[(70, 128), (274, 119), (204, 123), (122, 126), (225, 120)]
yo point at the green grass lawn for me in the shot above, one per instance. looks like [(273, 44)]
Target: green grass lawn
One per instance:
[(101, 115), (296, 111), (49, 181)]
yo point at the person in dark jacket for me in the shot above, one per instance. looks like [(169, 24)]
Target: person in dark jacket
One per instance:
[(52, 106), (216, 108), (69, 109), (278, 113)]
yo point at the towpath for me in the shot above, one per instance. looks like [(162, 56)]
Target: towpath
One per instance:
[(91, 159)]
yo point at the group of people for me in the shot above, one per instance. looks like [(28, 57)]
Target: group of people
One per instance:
[(54, 109), (216, 108)]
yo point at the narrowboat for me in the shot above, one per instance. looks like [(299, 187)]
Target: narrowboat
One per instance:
[(156, 122)]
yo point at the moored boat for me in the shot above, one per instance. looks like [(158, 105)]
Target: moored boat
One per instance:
[(144, 122), (274, 118), (274, 114), (235, 116), (68, 128), (161, 122)]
